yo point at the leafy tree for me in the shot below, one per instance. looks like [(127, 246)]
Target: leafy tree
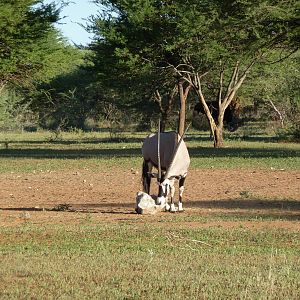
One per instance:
[(226, 41), (27, 39), (67, 99), (275, 90), (210, 46), (132, 51), (33, 53)]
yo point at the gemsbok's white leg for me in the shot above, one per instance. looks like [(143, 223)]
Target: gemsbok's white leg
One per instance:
[(173, 208), (161, 201), (172, 190), (167, 206), (180, 206)]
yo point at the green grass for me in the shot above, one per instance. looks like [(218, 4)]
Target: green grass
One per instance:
[(130, 261), (169, 257), (30, 152)]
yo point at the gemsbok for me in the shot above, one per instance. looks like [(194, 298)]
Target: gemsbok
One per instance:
[(167, 152)]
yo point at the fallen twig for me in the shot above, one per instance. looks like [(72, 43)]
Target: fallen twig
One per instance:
[(191, 240)]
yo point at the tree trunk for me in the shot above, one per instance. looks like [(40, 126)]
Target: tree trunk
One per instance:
[(218, 137), (216, 131), (183, 94), (164, 121)]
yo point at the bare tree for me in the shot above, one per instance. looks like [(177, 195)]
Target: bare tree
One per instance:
[(225, 95)]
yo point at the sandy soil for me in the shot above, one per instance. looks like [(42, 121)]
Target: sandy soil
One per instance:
[(110, 197)]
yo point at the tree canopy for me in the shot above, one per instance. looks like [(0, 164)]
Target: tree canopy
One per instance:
[(189, 39), (33, 53), (28, 40), (152, 59)]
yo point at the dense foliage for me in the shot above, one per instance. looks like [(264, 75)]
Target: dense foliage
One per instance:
[(166, 42), (33, 53), (27, 37), (149, 59)]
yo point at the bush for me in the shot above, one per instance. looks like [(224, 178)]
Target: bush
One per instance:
[(14, 114), (200, 122)]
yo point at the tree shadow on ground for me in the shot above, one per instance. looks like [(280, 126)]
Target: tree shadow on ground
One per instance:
[(247, 204), (230, 137), (243, 152), (105, 208), (193, 137), (136, 152), (88, 141), (70, 153), (245, 209), (251, 208)]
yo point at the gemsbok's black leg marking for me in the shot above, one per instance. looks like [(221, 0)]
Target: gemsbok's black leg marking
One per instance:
[(146, 175)]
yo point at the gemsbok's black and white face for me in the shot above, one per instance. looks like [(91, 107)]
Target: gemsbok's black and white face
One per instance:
[(172, 162)]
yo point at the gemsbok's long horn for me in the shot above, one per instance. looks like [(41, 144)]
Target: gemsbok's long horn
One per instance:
[(175, 151), (158, 152)]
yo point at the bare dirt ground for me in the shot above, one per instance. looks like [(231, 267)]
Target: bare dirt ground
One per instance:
[(272, 196)]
